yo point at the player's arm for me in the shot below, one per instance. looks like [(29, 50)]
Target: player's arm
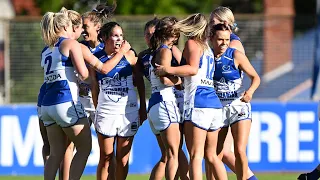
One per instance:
[(237, 45), (76, 57), (164, 59), (94, 86), (192, 54), (107, 66), (242, 62)]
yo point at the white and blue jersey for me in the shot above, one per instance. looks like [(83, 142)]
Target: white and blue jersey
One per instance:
[(144, 61), (60, 104), (59, 76), (95, 49), (84, 86), (228, 78), (199, 91), (160, 92), (162, 108), (117, 95)]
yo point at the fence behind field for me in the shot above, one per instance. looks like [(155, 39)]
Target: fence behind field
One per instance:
[(21, 45)]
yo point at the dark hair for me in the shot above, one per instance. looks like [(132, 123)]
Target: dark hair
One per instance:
[(101, 12), (106, 29), (219, 27), (151, 23), (163, 30)]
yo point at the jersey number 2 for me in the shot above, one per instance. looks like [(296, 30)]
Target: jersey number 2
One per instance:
[(48, 61)]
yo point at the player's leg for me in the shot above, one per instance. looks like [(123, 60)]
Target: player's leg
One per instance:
[(183, 168), (56, 139), (195, 139), (66, 162), (158, 171), (229, 158), (124, 145), (240, 131), (80, 135), (219, 151), (46, 146), (171, 139), (106, 156)]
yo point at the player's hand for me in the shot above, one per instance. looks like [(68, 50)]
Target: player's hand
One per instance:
[(160, 70), (125, 47), (247, 96)]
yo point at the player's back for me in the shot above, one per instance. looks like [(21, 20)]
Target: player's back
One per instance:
[(199, 90), (59, 76)]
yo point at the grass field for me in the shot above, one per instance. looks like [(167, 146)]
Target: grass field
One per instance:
[(262, 176)]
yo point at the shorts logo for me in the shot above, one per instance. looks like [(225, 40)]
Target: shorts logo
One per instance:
[(134, 126), (242, 113)]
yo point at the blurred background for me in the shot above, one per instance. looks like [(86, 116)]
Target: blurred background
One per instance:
[(281, 39)]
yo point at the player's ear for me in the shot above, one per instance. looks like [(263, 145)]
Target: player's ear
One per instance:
[(74, 28)]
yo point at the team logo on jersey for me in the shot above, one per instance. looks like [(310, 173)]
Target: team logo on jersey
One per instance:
[(114, 87), (221, 84), (226, 68)]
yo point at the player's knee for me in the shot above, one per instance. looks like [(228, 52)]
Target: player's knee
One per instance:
[(240, 152), (123, 161), (196, 156), (106, 157), (228, 154), (164, 158)]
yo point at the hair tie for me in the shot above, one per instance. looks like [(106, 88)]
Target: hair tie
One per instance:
[(235, 25), (100, 12)]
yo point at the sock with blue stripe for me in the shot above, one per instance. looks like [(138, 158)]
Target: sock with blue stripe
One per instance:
[(253, 178)]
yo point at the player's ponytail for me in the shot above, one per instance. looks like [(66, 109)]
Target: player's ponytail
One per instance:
[(194, 27), (103, 10), (101, 13), (74, 16), (51, 24)]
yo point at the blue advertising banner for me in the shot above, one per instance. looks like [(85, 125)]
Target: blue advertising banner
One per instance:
[(284, 137)]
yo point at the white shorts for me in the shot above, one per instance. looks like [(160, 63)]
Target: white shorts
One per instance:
[(209, 119), (122, 125), (161, 115), (234, 113), (65, 114)]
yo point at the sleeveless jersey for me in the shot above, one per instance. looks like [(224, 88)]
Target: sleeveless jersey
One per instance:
[(84, 86), (199, 91), (59, 76), (160, 92), (227, 78), (117, 95)]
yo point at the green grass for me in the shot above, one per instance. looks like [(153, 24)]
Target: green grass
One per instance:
[(261, 176)]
